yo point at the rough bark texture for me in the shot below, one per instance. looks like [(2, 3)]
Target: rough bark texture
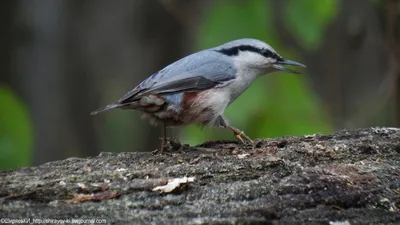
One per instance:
[(351, 177)]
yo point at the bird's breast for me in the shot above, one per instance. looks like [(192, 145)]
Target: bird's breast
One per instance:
[(242, 81), (204, 106)]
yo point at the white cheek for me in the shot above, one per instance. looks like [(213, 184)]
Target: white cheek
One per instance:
[(251, 65)]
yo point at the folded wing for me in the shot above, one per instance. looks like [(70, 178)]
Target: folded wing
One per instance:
[(196, 72)]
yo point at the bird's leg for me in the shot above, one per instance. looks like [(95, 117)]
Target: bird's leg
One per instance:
[(239, 134), (164, 138), (222, 122)]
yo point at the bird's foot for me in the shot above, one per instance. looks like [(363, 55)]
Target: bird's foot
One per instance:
[(164, 146), (241, 136), (168, 144)]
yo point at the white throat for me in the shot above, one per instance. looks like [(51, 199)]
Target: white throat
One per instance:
[(249, 67)]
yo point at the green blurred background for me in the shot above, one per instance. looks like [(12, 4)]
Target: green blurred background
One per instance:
[(62, 59)]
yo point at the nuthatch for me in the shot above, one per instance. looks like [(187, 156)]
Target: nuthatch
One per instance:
[(198, 88)]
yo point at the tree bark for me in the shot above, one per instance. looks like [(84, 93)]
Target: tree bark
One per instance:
[(350, 177)]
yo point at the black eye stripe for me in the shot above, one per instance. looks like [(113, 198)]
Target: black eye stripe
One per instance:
[(268, 54), (235, 51)]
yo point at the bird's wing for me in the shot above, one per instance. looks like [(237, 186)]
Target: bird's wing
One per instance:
[(199, 71)]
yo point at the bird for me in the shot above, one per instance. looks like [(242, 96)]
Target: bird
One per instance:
[(197, 89)]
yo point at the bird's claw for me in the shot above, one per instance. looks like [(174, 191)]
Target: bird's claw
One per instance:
[(168, 144), (240, 135)]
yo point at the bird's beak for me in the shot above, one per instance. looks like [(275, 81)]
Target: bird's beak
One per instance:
[(279, 66)]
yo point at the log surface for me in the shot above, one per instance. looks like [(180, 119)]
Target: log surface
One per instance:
[(348, 177)]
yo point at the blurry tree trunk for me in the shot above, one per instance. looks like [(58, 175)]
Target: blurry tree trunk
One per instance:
[(7, 10), (353, 46), (393, 47), (76, 56), (53, 83)]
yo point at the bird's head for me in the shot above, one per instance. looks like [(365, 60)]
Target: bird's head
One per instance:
[(255, 54)]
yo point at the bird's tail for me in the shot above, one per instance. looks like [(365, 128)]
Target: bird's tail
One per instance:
[(108, 107)]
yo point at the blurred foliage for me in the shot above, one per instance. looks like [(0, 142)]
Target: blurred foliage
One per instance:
[(277, 104), (16, 133), (307, 19)]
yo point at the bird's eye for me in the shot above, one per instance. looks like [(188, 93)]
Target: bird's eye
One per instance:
[(267, 53)]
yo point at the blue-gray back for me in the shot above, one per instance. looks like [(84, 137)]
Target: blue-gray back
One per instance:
[(198, 71)]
